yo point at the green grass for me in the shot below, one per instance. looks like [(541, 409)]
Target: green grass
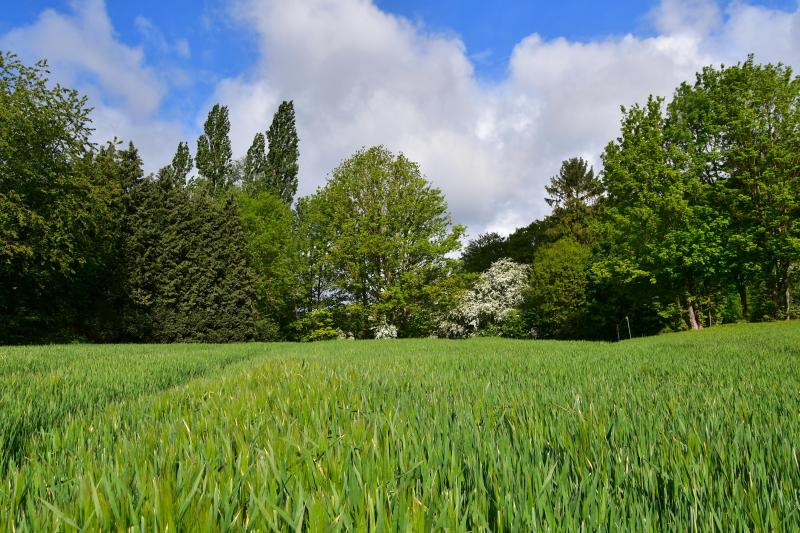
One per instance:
[(683, 431)]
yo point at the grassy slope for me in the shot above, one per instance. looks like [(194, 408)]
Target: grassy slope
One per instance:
[(666, 432)]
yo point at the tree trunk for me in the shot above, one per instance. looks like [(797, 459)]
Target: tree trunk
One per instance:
[(692, 315), (788, 301), (743, 299), (698, 314)]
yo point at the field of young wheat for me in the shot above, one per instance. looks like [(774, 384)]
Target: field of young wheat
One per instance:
[(683, 431)]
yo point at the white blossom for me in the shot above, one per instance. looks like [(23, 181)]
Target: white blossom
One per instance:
[(497, 292), (384, 330)]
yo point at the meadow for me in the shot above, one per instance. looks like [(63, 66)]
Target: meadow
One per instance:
[(687, 431)]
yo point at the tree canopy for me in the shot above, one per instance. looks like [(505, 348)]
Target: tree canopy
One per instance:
[(693, 221)]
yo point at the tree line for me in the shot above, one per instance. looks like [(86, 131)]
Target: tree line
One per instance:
[(692, 222)]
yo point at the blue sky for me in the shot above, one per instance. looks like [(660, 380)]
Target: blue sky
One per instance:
[(487, 96)]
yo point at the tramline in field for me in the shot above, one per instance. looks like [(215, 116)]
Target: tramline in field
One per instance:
[(683, 431)]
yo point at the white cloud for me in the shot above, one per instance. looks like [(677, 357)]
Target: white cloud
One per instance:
[(84, 52), (360, 76), (154, 35)]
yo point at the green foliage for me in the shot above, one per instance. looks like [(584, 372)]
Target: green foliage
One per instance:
[(377, 235), (556, 299), (672, 433), (188, 278), (480, 253), (281, 161), (267, 224), (316, 326), (182, 164), (255, 167), (57, 211), (739, 127), (214, 150)]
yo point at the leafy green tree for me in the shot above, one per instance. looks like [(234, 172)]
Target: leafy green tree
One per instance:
[(739, 127), (385, 232), (281, 161), (556, 300), (214, 154), (54, 206), (480, 253), (660, 223), (255, 167), (267, 223)]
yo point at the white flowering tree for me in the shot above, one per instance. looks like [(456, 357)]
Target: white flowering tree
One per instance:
[(493, 300), (384, 330)]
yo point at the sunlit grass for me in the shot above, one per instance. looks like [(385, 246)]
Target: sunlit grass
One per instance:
[(694, 430)]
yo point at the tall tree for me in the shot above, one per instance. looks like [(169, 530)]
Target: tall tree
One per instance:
[(214, 154), (188, 277), (390, 233), (281, 164), (575, 194), (660, 226), (255, 167), (574, 185), (181, 163), (739, 127), (267, 223), (54, 207)]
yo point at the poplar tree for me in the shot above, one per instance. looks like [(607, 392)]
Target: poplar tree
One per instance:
[(281, 161), (214, 153), (255, 167)]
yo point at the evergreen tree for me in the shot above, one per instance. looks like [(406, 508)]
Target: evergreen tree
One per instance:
[(188, 278), (282, 166), (575, 185), (574, 194), (214, 154)]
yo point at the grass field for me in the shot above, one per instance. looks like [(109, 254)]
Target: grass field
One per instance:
[(684, 431)]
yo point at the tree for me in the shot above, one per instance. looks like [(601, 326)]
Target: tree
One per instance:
[(255, 167), (388, 233), (575, 196), (556, 299), (188, 277), (490, 303), (267, 223), (281, 161), (575, 186), (181, 163), (739, 126), (214, 150), (480, 253), (660, 226), (55, 207)]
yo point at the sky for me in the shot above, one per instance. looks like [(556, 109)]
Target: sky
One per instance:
[(489, 97)]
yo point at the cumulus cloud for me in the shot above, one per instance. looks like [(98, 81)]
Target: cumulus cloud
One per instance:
[(361, 76), (84, 52)]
